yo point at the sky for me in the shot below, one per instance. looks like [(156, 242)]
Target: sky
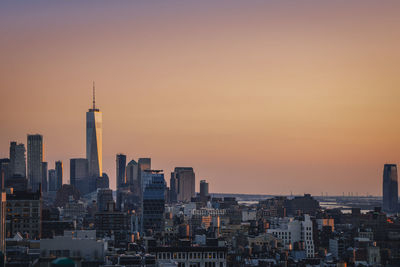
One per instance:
[(259, 97)]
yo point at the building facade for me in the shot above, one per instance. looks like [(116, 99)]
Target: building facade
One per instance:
[(17, 160), (94, 143), (59, 174), (35, 159), (186, 183), (390, 188), (78, 170), (153, 205), (23, 214)]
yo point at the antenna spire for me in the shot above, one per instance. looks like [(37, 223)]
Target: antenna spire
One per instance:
[(94, 96)]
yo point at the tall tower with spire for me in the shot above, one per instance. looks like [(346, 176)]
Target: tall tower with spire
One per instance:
[(94, 143)]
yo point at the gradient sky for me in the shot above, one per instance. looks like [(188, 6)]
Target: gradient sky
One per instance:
[(258, 96)]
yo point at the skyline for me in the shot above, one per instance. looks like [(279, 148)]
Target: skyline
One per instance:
[(261, 93)]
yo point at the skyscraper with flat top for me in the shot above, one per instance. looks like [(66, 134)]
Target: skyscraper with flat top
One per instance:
[(59, 174), (94, 140), (121, 170), (17, 160), (186, 183), (35, 159), (390, 188)]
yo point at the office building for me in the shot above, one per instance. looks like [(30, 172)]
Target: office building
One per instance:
[(390, 188), (173, 188), (59, 174), (203, 189), (132, 174), (112, 222), (104, 196), (35, 159), (3, 205), (17, 160), (186, 183), (94, 140), (52, 180), (292, 231), (153, 203), (44, 177), (24, 214), (121, 170), (4, 169), (78, 170), (144, 164)]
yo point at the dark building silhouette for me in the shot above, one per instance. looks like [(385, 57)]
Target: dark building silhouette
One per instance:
[(121, 170), (59, 174), (35, 159), (390, 188), (17, 160), (44, 177), (52, 180), (78, 171), (104, 196)]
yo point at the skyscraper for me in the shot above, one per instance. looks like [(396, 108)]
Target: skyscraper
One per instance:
[(94, 140), (17, 160), (44, 177), (104, 196), (121, 170), (390, 188), (52, 180), (3, 204), (154, 202), (144, 164), (203, 189), (132, 172), (59, 174), (120, 178), (35, 159), (78, 171), (173, 188), (186, 183)]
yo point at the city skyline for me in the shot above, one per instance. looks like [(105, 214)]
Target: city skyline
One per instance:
[(257, 98)]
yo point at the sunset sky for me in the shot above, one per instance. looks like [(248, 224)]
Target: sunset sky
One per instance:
[(257, 96)]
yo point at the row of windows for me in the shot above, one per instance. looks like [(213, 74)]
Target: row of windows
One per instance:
[(191, 255)]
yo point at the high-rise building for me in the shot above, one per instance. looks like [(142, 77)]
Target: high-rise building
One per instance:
[(78, 171), (186, 183), (25, 220), (104, 196), (35, 159), (52, 184), (204, 189), (173, 188), (4, 169), (132, 173), (17, 160), (144, 164), (3, 204), (44, 177), (59, 174), (390, 188), (121, 170), (153, 203), (94, 140)]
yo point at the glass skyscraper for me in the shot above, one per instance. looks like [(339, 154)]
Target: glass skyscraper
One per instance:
[(390, 188), (153, 203), (94, 140)]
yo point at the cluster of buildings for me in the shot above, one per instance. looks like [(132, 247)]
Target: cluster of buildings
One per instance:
[(144, 222)]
